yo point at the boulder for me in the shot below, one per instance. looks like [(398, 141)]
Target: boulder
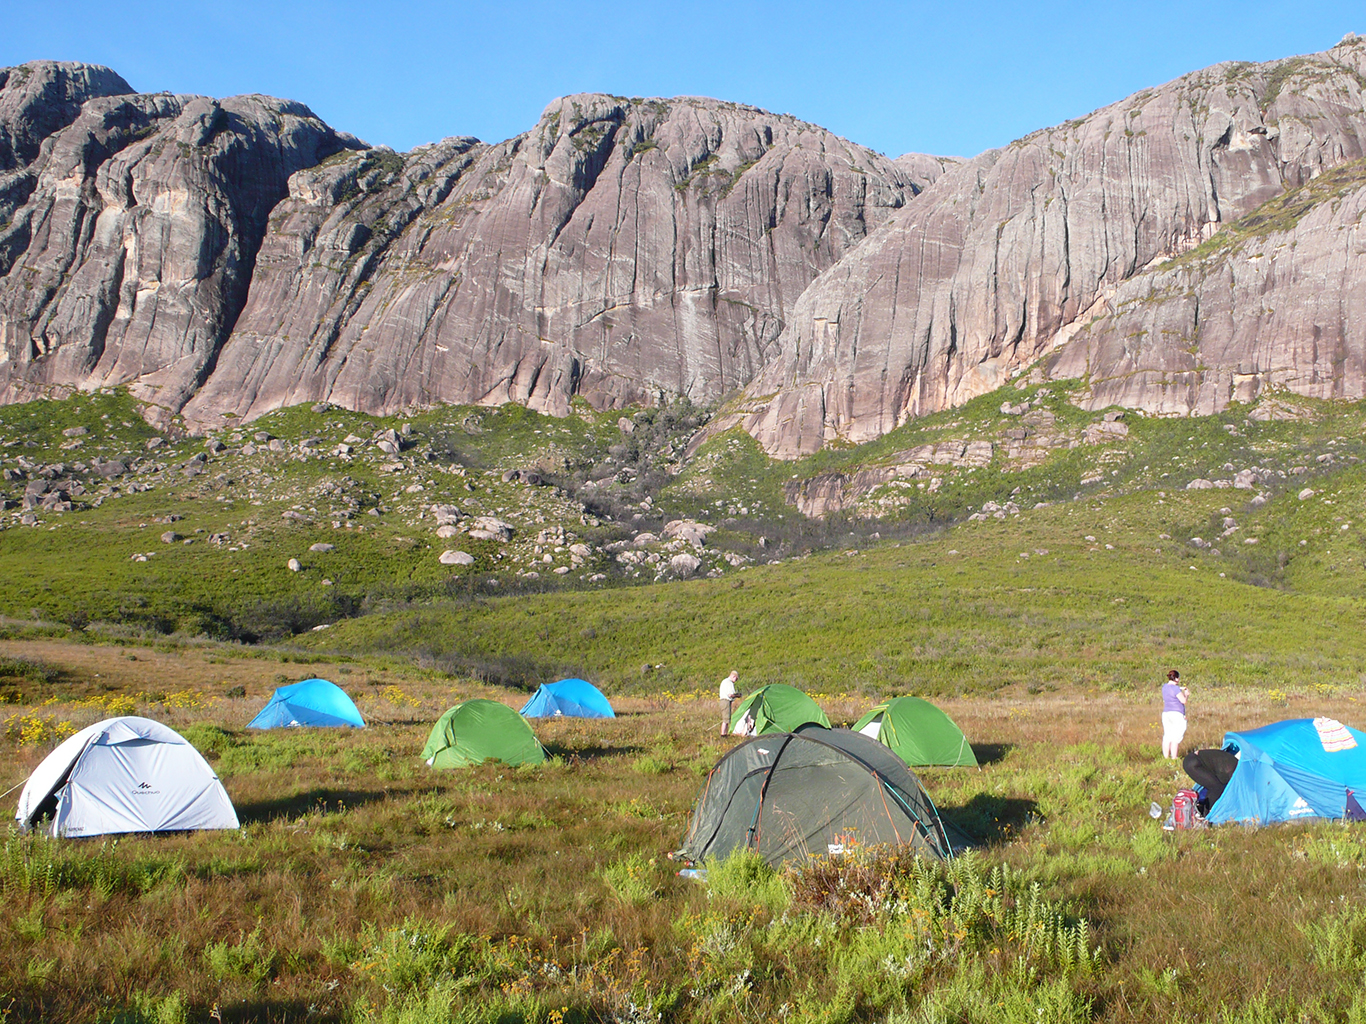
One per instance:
[(687, 530), (491, 528), (447, 514), (170, 537), (684, 564), (455, 558), (322, 547), (1106, 430), (293, 565)]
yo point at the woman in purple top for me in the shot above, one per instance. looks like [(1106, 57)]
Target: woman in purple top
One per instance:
[(1174, 697)]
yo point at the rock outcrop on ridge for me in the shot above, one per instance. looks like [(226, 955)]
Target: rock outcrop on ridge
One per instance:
[(230, 257), (1056, 242), (1192, 245), (621, 250), (130, 235)]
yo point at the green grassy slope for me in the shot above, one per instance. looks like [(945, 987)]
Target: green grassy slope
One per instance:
[(774, 602), (1027, 600)]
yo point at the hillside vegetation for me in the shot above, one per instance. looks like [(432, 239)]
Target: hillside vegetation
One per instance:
[(194, 536)]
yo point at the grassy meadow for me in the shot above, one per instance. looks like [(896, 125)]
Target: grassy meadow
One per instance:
[(363, 886)]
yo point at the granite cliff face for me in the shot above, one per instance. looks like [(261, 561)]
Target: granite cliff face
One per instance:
[(1014, 254), (1191, 245), (234, 256), (130, 234), (622, 250)]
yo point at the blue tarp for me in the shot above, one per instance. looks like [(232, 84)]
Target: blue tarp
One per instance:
[(576, 698), (1285, 773), (312, 702)]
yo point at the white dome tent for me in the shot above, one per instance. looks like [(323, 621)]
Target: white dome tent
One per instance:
[(125, 775)]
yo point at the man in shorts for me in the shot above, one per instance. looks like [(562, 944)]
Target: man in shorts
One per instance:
[(728, 693)]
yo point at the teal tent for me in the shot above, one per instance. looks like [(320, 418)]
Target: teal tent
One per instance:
[(1300, 768), (574, 698), (314, 702)]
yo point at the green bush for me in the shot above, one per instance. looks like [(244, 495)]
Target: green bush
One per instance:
[(248, 958), (746, 879)]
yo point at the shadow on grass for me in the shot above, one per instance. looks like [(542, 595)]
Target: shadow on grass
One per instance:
[(299, 804), (988, 819), (990, 753), (400, 721), (588, 753)]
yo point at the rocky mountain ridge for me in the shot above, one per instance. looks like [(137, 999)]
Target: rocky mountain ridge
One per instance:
[(1187, 247), (1053, 246), (227, 258)]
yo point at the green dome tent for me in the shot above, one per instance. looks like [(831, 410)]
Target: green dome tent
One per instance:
[(775, 708), (481, 730), (917, 732)]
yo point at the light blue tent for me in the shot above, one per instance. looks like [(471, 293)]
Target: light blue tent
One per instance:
[(574, 698), (1299, 768), (312, 702)]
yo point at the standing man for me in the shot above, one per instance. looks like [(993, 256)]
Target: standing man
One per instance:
[(728, 694)]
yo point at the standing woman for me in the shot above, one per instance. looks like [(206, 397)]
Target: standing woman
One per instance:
[(1174, 697)]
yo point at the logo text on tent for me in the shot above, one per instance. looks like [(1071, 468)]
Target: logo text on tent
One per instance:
[(145, 789)]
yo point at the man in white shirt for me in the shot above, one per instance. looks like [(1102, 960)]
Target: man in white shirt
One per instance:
[(728, 694)]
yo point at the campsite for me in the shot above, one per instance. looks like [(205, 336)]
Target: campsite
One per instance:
[(365, 885)]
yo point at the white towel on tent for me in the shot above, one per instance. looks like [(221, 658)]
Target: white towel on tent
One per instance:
[(1334, 735)]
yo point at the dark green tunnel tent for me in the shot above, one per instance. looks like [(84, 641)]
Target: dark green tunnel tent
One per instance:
[(481, 730), (776, 708), (818, 791), (918, 733)]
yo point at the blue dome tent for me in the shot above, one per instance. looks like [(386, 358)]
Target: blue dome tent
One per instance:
[(1299, 768), (575, 698), (311, 702)]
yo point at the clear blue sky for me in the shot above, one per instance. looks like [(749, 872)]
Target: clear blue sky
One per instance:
[(939, 78)]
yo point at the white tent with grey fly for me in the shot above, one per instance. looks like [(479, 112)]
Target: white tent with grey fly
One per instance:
[(125, 775)]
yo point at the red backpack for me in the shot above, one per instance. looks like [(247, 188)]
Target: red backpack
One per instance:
[(1184, 808)]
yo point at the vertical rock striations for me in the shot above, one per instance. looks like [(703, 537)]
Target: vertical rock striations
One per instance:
[(1007, 256), (1184, 248), (130, 253), (621, 250)]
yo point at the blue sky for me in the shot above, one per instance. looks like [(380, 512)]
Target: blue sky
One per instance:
[(939, 78)]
